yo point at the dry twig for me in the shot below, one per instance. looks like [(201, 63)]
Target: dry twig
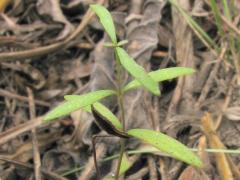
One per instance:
[(90, 168), (11, 56), (36, 154), (11, 95), (47, 173), (213, 73), (139, 174)]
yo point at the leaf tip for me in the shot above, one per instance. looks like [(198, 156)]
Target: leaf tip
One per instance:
[(198, 163), (67, 97), (93, 6), (47, 117), (191, 70), (157, 92)]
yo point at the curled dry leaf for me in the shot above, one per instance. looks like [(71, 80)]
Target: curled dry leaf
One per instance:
[(233, 113)]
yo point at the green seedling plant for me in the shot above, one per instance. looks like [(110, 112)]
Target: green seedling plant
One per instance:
[(107, 121)]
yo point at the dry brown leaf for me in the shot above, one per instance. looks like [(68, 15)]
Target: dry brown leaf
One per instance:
[(233, 113), (4, 4), (221, 160)]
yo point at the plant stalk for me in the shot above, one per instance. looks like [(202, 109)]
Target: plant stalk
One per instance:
[(120, 97)]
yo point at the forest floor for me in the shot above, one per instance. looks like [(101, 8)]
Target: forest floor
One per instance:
[(50, 48)]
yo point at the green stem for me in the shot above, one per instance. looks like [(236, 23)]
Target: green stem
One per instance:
[(121, 108)]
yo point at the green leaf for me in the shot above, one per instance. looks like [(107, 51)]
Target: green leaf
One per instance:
[(77, 102), (106, 124), (106, 113), (217, 15), (109, 115), (161, 75), (166, 144), (137, 71), (226, 9), (125, 164), (106, 21), (123, 42)]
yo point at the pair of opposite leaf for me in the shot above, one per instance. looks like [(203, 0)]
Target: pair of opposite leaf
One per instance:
[(126, 61), (108, 121)]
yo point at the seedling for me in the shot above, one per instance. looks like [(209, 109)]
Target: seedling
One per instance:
[(107, 120)]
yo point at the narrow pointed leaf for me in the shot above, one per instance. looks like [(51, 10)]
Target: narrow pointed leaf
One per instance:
[(106, 21), (137, 71), (104, 111), (106, 124), (167, 145), (217, 15), (162, 75), (109, 115), (125, 164), (123, 42), (77, 102)]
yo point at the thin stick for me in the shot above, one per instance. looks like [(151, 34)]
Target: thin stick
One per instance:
[(89, 167), (30, 53), (225, 104), (213, 73), (36, 154), (16, 131), (47, 173), (231, 25), (94, 153), (95, 158), (11, 95), (139, 174)]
